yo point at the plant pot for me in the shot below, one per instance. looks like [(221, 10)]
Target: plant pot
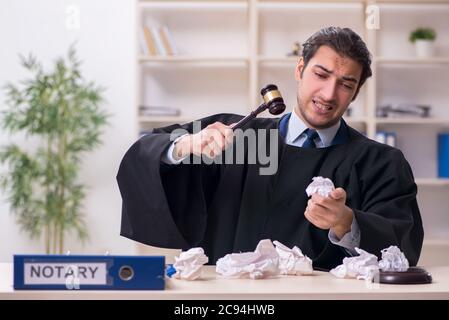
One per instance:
[(424, 48)]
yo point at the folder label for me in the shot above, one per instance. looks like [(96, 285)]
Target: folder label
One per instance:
[(65, 273)]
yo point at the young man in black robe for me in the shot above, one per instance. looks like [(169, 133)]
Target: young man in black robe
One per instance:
[(227, 208)]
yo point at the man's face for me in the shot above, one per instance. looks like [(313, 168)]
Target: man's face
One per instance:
[(326, 87)]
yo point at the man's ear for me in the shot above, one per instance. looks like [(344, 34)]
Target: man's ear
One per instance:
[(299, 69)]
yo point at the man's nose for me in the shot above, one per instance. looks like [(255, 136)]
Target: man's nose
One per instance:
[(328, 92)]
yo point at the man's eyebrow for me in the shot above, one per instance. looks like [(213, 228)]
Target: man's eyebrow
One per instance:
[(345, 78), (322, 67)]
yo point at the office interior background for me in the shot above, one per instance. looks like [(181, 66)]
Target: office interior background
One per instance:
[(163, 62)]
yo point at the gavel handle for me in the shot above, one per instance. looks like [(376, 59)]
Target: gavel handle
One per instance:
[(249, 117)]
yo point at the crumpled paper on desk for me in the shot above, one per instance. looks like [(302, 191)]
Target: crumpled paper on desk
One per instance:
[(262, 263), (189, 264), (293, 261), (393, 259), (320, 185), (363, 267)]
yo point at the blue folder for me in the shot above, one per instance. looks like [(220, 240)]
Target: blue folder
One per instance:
[(443, 155), (81, 272)]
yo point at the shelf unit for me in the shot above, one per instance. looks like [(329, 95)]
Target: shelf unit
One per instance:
[(228, 50)]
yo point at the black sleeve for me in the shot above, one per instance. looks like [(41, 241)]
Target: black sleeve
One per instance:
[(389, 213), (166, 205)]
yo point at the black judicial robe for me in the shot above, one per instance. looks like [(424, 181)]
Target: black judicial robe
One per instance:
[(228, 208)]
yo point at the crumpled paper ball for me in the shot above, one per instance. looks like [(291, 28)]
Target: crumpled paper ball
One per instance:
[(262, 263), (320, 185), (293, 261), (364, 266), (393, 259), (189, 264)]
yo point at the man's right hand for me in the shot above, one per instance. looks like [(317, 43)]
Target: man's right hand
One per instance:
[(210, 141)]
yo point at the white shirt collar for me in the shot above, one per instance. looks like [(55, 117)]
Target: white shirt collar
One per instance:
[(296, 127)]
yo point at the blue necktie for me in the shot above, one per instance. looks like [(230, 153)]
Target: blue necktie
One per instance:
[(311, 136)]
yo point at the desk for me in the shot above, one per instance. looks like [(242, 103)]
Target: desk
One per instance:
[(320, 285)]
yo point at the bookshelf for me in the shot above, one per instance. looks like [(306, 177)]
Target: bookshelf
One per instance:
[(228, 50)]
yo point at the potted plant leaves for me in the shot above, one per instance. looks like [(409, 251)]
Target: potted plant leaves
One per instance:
[(61, 112), (423, 38)]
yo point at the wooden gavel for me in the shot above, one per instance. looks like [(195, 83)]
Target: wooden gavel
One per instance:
[(272, 101)]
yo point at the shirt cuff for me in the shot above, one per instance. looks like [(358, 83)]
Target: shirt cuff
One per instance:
[(350, 240), (168, 157)]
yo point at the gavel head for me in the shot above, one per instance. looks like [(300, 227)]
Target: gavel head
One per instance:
[(273, 99)]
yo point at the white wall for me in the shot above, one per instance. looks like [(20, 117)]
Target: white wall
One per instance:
[(105, 43)]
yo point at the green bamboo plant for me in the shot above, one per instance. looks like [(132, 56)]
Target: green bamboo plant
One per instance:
[(61, 111)]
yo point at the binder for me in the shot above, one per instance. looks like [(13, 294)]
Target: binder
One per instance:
[(88, 272), (443, 155)]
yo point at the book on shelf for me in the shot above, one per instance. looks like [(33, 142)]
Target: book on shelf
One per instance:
[(385, 137), (158, 111), (161, 51), (143, 44), (159, 41), (168, 40), (150, 44)]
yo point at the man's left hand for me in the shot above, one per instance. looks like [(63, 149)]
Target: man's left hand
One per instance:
[(330, 213)]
